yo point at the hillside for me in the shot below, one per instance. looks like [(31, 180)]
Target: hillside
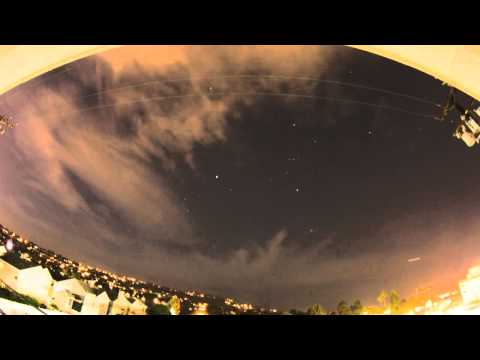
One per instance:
[(25, 254)]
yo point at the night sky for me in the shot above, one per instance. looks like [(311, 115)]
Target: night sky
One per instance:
[(238, 188)]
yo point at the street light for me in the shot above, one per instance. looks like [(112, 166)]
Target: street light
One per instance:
[(9, 245)]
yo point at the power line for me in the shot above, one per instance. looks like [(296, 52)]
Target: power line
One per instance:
[(273, 94), (274, 77), (278, 77)]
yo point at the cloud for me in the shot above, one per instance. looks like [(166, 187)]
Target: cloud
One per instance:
[(52, 149), (204, 60), (287, 274), (87, 171)]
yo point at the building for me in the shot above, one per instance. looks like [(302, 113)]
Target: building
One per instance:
[(470, 287), (120, 305), (123, 306), (138, 308), (96, 305), (103, 303), (69, 296), (8, 274), (14, 308), (35, 282)]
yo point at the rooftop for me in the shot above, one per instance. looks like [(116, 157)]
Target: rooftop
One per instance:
[(14, 259)]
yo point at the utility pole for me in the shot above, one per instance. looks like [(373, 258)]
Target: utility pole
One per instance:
[(5, 124)]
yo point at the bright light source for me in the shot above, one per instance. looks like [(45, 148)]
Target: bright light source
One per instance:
[(9, 245)]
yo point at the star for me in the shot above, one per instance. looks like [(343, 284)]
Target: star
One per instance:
[(217, 177), (297, 189), (294, 124)]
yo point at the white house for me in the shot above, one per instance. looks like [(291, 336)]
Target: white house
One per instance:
[(123, 306), (8, 274), (69, 295), (102, 303), (35, 282), (96, 305), (15, 308), (470, 287), (138, 308)]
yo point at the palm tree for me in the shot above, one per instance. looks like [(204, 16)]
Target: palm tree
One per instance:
[(343, 308), (316, 309), (383, 298), (357, 307), (394, 301), (175, 305)]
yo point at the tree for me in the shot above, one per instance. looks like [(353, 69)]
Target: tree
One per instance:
[(158, 309), (357, 307), (405, 306), (383, 298), (175, 305), (316, 309), (394, 301), (343, 308), (297, 312)]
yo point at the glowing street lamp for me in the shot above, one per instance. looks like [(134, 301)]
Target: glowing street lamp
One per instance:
[(9, 245)]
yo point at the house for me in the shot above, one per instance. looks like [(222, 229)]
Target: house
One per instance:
[(123, 306), (96, 305), (8, 274), (103, 303), (470, 286), (138, 308), (69, 296), (35, 282)]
